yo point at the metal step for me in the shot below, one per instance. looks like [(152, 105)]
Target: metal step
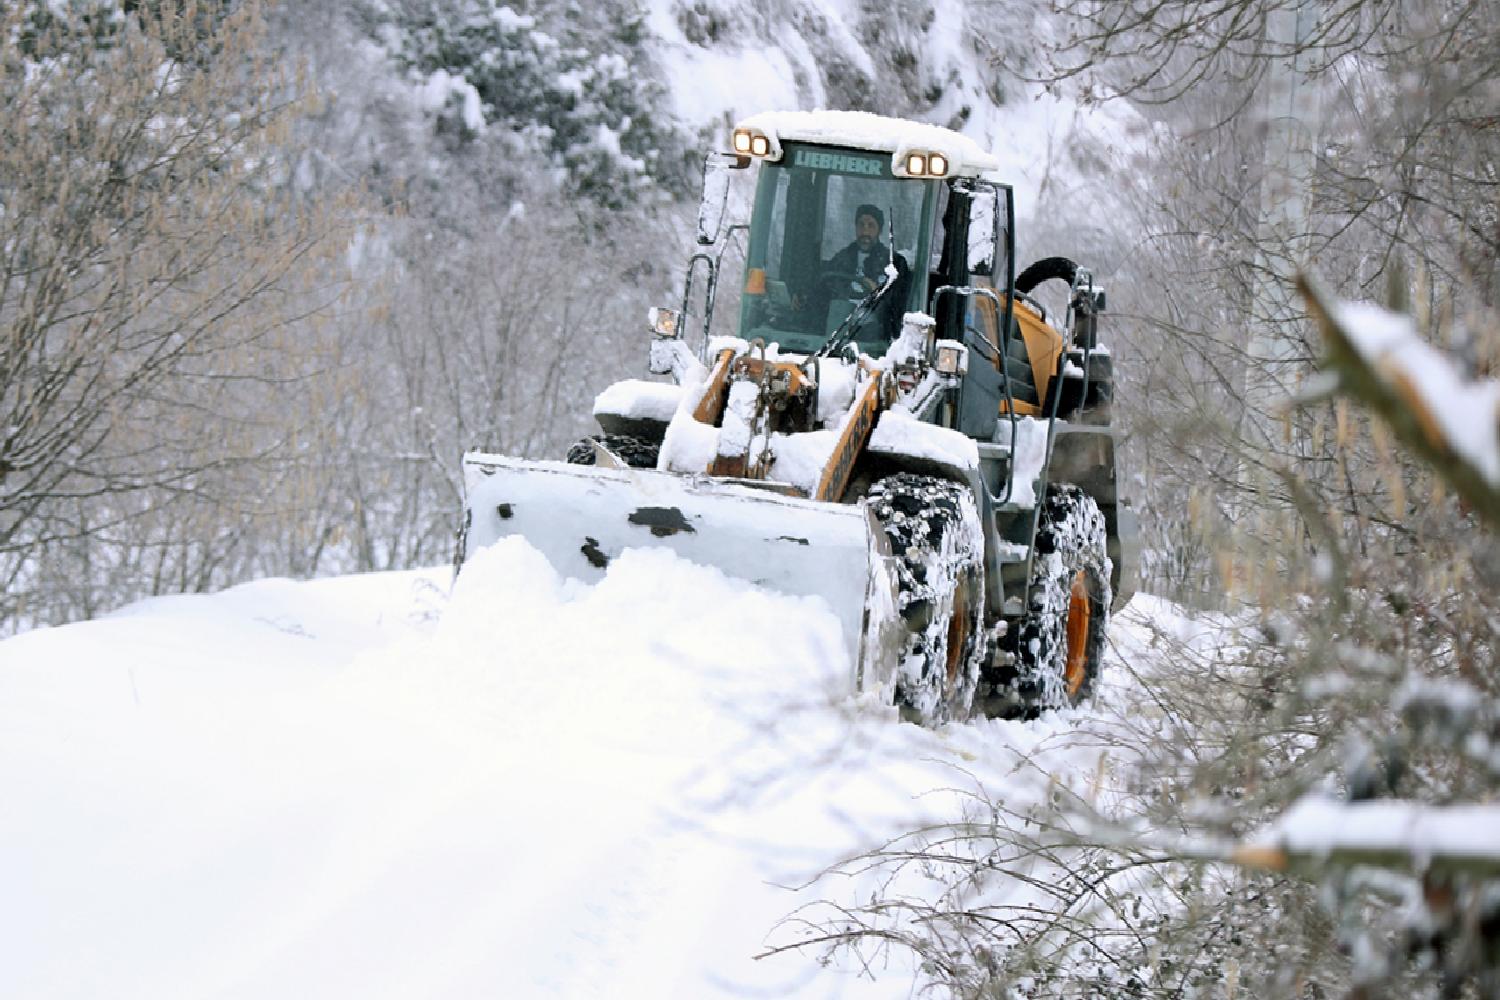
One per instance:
[(1012, 552), (989, 450)]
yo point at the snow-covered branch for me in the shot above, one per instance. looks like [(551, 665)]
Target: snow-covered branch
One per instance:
[(1320, 832), (1450, 420)]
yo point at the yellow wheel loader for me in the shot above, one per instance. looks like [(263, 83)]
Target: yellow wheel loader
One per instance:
[(897, 426)]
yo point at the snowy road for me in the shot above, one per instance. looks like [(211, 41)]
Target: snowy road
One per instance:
[(360, 786)]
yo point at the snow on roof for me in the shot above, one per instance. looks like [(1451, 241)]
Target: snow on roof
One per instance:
[(862, 130)]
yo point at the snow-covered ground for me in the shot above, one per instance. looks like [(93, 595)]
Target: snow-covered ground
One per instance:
[(532, 788)]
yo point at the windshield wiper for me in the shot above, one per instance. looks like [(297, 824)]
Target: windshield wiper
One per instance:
[(844, 332)]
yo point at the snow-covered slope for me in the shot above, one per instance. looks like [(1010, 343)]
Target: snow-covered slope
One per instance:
[(960, 65), (361, 787)]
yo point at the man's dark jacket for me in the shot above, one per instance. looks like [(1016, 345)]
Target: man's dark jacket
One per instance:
[(844, 261)]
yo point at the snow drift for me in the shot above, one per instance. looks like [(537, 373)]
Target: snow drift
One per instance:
[(536, 788)]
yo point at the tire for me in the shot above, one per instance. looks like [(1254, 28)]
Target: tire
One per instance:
[(1059, 647), (638, 453), (934, 533)]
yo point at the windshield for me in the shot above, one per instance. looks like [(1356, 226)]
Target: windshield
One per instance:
[(820, 239)]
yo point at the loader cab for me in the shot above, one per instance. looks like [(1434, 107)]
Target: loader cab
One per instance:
[(803, 270)]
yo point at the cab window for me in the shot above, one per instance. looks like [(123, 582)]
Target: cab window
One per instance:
[(824, 224)]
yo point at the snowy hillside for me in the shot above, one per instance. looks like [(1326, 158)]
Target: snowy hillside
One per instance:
[(361, 787), (953, 64)]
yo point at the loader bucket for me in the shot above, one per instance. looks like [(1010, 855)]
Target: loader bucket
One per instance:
[(580, 517)]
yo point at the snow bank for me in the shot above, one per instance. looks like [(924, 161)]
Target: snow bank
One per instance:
[(536, 788)]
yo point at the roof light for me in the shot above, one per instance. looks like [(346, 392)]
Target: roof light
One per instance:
[(916, 164), (759, 145), (741, 140), (937, 164)]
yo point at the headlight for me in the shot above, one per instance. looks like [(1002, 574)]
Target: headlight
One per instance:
[(952, 359), (748, 141), (923, 163), (666, 324)]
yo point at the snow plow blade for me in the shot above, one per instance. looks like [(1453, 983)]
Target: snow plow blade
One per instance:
[(581, 517)]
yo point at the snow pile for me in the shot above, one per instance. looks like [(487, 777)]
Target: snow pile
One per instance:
[(899, 433), (358, 787), (837, 382), (799, 459), (441, 88), (689, 445), (736, 435)]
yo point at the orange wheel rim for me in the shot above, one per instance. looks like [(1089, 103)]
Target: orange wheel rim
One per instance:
[(958, 632), (1080, 614)]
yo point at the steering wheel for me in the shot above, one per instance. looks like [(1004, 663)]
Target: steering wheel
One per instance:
[(841, 284)]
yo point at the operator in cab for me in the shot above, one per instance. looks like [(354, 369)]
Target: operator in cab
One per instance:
[(859, 268), (866, 257)]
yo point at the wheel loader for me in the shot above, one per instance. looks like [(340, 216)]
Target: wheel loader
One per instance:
[(897, 426)]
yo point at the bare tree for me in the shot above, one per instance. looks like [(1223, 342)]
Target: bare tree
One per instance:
[(152, 268)]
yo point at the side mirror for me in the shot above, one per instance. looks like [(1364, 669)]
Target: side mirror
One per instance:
[(716, 167), (984, 231)]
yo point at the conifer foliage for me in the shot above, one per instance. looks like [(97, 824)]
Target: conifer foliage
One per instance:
[(566, 80)]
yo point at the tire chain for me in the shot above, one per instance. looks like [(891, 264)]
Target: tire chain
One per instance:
[(1043, 626), (918, 513), (638, 453)]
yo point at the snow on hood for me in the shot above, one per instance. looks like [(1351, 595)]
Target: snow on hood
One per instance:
[(638, 399), (900, 433)]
